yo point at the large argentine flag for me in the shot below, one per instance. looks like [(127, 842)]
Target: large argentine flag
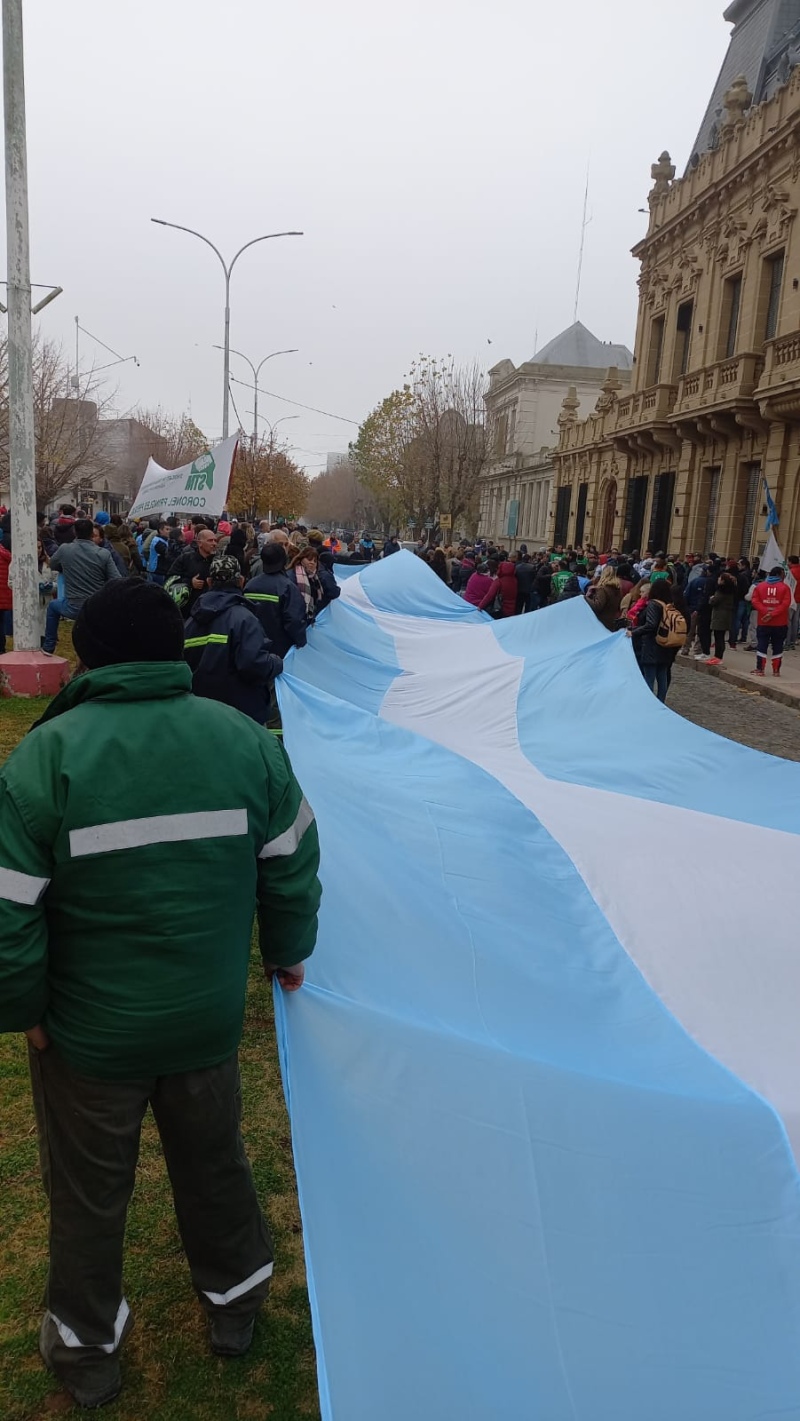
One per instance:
[(545, 1078)]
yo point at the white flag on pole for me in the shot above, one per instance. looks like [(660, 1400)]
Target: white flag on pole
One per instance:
[(773, 557), (199, 487)]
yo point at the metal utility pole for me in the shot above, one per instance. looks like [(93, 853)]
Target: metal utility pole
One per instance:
[(227, 267), (22, 446), (256, 369)]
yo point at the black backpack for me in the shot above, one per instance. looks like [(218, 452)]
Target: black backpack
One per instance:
[(571, 589)]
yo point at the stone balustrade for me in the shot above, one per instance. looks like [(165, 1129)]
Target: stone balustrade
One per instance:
[(729, 381)]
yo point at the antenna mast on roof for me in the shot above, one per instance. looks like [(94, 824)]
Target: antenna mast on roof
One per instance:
[(584, 225)]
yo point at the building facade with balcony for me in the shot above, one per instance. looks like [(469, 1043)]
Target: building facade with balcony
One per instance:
[(523, 407), (678, 464)]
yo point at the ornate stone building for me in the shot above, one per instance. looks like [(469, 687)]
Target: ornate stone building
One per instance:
[(679, 463), (523, 406)]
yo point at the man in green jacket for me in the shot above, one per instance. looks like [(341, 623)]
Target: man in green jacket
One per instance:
[(125, 926)]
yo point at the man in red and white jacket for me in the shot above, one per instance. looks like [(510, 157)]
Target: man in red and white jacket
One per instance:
[(772, 600)]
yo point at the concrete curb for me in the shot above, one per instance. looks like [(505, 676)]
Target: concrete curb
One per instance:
[(744, 682)]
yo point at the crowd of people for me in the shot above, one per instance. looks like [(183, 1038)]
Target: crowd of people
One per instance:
[(225, 576), (246, 595), (669, 605)]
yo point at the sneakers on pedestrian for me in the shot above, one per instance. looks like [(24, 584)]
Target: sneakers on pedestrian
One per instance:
[(701, 656), (713, 660), (45, 652), (776, 670), (757, 673), (230, 1337), (91, 1383)]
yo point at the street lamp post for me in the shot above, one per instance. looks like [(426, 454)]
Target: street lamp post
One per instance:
[(273, 427), (227, 267), (256, 369)]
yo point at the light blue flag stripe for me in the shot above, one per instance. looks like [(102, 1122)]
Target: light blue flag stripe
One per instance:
[(527, 1192)]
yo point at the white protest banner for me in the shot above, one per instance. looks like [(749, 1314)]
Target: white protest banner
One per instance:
[(199, 487)]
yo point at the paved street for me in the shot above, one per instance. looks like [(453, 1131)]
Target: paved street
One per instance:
[(739, 714)]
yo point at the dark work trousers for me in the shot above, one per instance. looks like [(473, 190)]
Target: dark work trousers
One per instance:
[(776, 637), (89, 1145)]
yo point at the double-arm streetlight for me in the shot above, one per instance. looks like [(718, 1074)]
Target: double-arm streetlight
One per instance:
[(273, 427), (256, 369), (227, 267)]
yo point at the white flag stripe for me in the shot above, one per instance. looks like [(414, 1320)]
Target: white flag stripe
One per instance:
[(160, 829), (286, 843), (222, 1299), (22, 888)]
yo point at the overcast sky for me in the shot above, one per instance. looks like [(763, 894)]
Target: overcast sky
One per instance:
[(434, 154)]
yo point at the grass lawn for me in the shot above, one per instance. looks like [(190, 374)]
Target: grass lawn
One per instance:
[(169, 1372)]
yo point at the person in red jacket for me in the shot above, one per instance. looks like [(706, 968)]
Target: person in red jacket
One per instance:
[(509, 589), (772, 600)]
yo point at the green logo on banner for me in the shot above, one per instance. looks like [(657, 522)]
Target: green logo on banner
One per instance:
[(202, 473)]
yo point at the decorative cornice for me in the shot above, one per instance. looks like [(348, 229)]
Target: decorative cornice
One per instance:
[(786, 136)]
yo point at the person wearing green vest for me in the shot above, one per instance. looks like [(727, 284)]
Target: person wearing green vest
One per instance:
[(126, 913), (560, 579), (660, 571)]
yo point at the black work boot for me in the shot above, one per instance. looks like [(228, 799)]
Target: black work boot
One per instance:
[(231, 1337), (91, 1381)]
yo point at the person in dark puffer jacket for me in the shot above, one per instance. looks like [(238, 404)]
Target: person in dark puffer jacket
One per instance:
[(277, 602), (226, 648), (64, 527)]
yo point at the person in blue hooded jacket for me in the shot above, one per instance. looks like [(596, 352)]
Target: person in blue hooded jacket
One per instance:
[(226, 647)]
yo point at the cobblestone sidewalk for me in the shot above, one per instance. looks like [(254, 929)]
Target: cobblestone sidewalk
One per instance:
[(736, 711), (736, 669)]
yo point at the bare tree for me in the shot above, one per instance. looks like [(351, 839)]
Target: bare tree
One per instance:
[(172, 440), (68, 411), (422, 450), (340, 498)]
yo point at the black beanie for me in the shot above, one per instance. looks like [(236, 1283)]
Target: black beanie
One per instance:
[(273, 557), (128, 620)]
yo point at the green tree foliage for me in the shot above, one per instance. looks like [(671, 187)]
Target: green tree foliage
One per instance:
[(266, 481)]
